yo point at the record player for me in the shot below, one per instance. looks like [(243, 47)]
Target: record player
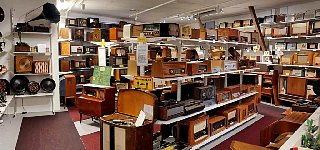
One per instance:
[(23, 64)]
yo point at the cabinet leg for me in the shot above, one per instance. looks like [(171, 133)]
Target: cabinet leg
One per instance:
[(80, 117)]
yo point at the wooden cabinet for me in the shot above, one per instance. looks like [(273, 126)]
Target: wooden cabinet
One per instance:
[(96, 100)]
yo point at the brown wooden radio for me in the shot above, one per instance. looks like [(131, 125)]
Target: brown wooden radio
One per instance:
[(64, 48), (280, 32), (22, 48), (303, 59), (217, 124), (170, 111), (316, 59), (78, 34), (118, 130), (314, 27), (251, 88), (223, 96), (299, 29), (192, 106), (23, 64), (119, 51), (242, 112), (231, 115), (198, 68), (228, 34), (185, 31), (162, 69), (250, 104), (96, 100), (222, 65), (238, 23), (115, 34), (64, 65), (244, 89), (234, 91), (286, 59), (89, 36), (267, 31), (96, 36), (40, 67), (136, 30), (193, 130), (245, 37), (78, 64), (205, 93), (248, 22)]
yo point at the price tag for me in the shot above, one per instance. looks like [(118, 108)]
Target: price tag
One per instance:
[(142, 40)]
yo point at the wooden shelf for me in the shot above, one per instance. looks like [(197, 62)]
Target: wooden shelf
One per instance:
[(206, 109)]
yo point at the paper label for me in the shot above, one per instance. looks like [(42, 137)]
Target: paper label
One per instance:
[(140, 119), (148, 109), (142, 55)]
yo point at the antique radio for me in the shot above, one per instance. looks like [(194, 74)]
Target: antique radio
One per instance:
[(119, 51), (162, 69), (234, 91), (316, 59), (115, 34), (97, 35), (251, 106), (211, 34), (64, 65), (222, 65), (89, 36), (289, 18), (76, 49), (231, 115), (296, 86), (247, 22), (299, 29), (205, 93), (281, 32), (185, 31), (317, 15), (254, 38), (312, 73), (267, 32), (193, 130), (90, 50), (230, 25), (310, 14), (119, 130), (286, 72), (274, 18), (169, 110), (23, 64), (191, 54), (78, 64), (195, 34), (130, 30), (161, 29), (298, 16), (244, 89), (302, 46), (78, 34), (291, 46), (298, 72), (303, 59), (216, 124), (251, 88), (228, 34), (242, 112), (21, 48), (82, 22), (314, 27), (93, 23), (151, 30), (40, 67), (280, 46), (238, 23), (71, 22), (245, 37), (223, 25), (64, 33), (246, 64), (198, 68), (223, 96), (192, 106), (312, 46), (118, 61)]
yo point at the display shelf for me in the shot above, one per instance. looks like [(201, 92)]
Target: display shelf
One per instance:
[(33, 53), (206, 109), (3, 109), (33, 74), (284, 23), (64, 73), (293, 37), (34, 95), (81, 27), (309, 78), (225, 131), (299, 66), (35, 33), (78, 55)]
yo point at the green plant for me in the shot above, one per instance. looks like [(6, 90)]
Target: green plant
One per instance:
[(309, 139)]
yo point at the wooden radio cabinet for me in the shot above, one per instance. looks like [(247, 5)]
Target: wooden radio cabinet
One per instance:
[(194, 130), (316, 59), (286, 59), (217, 124), (231, 115), (281, 32), (198, 68), (223, 96), (299, 29), (228, 34), (96, 100), (234, 91), (222, 65), (303, 59), (162, 69), (118, 130), (242, 112), (115, 34)]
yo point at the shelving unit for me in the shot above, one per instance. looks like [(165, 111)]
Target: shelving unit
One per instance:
[(3, 109), (32, 53)]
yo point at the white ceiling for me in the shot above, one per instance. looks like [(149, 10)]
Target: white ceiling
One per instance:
[(121, 8)]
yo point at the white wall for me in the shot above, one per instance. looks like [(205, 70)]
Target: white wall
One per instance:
[(20, 8)]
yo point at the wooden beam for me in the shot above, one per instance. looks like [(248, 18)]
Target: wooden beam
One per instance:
[(256, 24)]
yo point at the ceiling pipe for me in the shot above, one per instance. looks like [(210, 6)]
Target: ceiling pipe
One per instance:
[(152, 8)]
